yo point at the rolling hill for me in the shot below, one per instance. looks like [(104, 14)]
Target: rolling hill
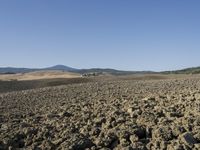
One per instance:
[(192, 70), (12, 70)]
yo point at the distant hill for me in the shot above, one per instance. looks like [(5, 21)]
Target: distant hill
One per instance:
[(112, 71), (192, 70), (11, 70), (61, 67)]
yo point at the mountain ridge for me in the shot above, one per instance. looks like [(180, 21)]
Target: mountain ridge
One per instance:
[(13, 70), (190, 70)]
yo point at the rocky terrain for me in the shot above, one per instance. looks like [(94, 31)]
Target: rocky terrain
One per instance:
[(120, 115)]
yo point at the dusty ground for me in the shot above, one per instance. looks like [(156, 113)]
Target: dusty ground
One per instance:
[(38, 75), (104, 114)]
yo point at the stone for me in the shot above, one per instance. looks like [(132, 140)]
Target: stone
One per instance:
[(188, 139), (140, 132)]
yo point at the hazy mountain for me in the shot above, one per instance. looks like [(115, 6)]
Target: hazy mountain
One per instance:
[(70, 69), (61, 67), (193, 70), (24, 70)]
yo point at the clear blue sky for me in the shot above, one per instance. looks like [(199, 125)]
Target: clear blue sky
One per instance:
[(121, 34)]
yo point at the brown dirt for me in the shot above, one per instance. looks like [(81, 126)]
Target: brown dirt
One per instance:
[(37, 75), (119, 113)]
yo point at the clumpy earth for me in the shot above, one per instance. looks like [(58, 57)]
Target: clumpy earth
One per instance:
[(106, 115)]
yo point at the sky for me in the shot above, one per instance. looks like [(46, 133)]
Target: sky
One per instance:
[(121, 34)]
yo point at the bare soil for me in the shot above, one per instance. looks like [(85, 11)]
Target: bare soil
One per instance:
[(38, 75), (119, 113)]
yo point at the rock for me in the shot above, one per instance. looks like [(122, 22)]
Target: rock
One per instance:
[(140, 132), (188, 139)]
